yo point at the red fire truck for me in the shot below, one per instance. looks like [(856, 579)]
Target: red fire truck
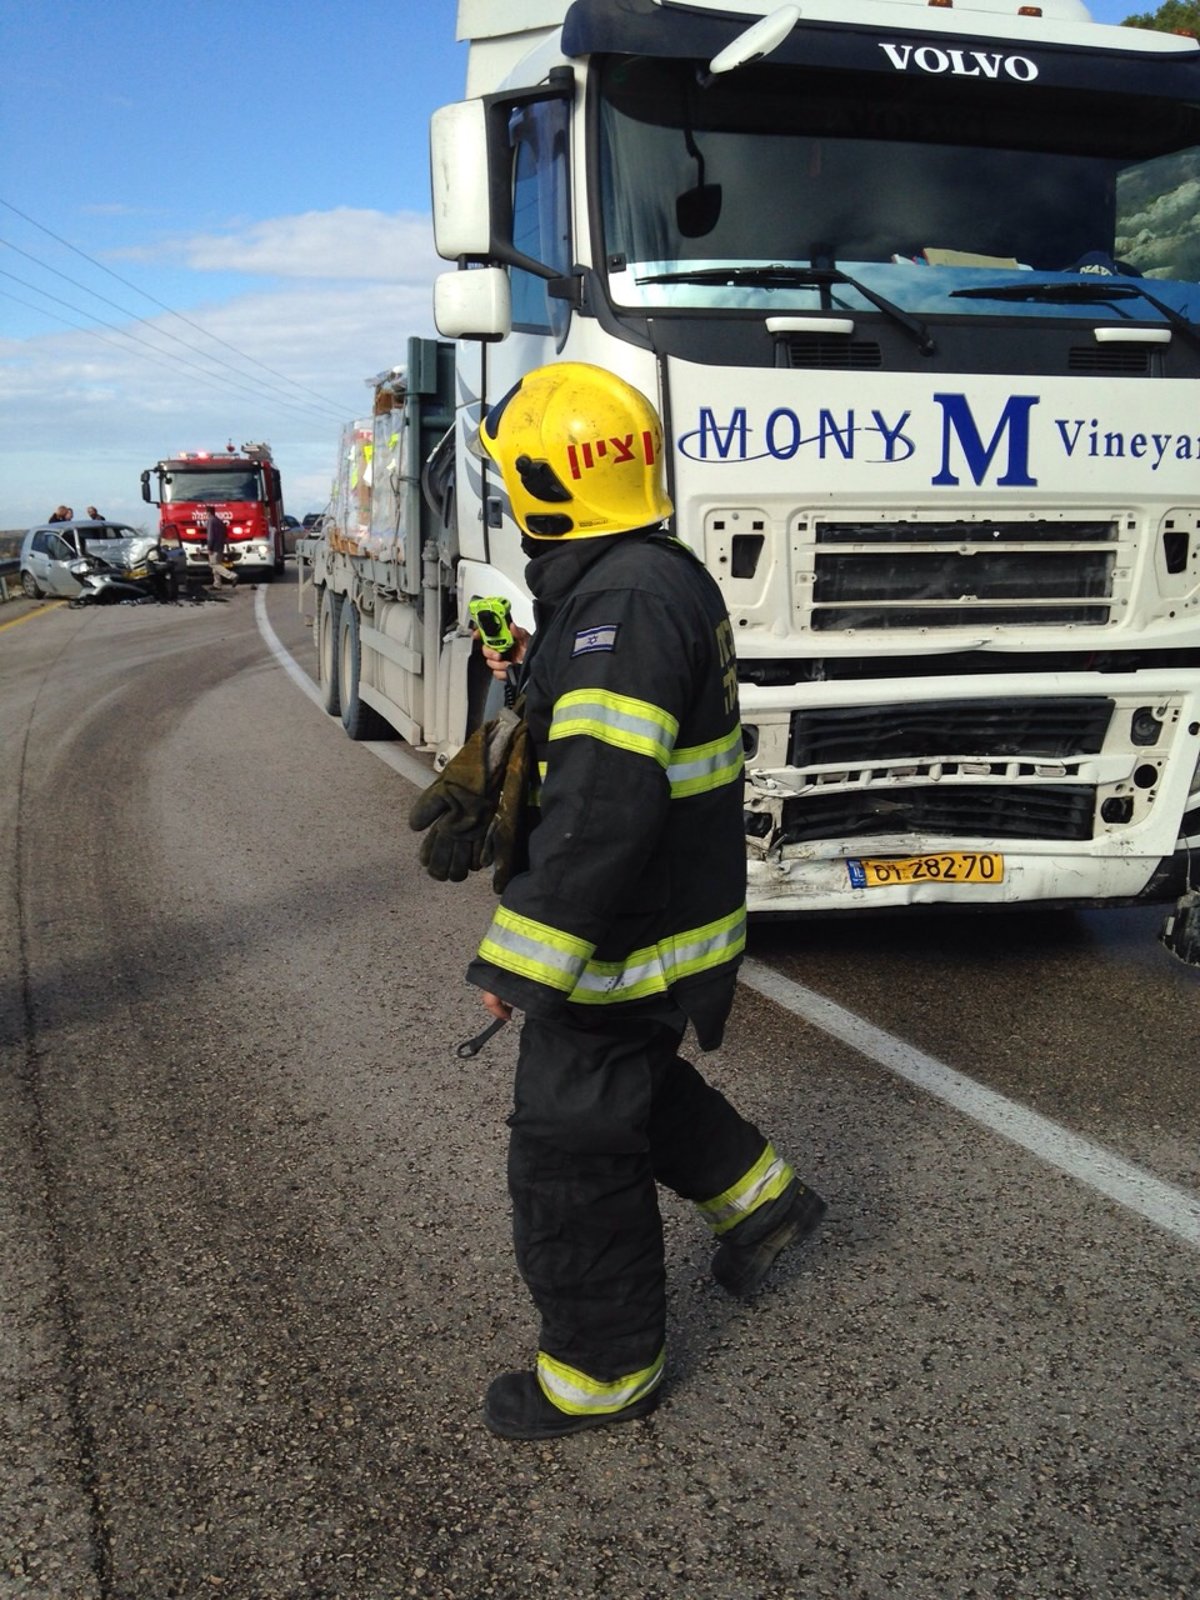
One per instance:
[(242, 485)]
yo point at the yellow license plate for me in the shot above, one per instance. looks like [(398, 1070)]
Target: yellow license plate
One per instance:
[(953, 866)]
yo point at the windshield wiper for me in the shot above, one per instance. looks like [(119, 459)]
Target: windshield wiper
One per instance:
[(1083, 294), (780, 277)]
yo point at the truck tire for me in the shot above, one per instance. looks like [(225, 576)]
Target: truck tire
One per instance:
[(329, 622), (360, 721)]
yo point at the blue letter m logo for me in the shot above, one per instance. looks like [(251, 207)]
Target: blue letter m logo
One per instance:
[(1014, 420)]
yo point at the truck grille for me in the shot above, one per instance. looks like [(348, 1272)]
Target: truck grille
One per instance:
[(1051, 728), (833, 352), (1019, 811), (1112, 361), (915, 574)]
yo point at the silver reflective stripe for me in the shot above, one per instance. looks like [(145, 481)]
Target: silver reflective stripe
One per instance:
[(702, 767), (654, 969), (644, 970), (535, 950), (766, 1180), (615, 719), (574, 1392)]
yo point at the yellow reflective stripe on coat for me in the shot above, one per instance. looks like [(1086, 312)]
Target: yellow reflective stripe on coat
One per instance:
[(766, 1180), (702, 767), (616, 719), (577, 1394), (535, 950), (654, 969)]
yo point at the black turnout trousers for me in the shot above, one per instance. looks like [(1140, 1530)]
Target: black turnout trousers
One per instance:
[(604, 1111)]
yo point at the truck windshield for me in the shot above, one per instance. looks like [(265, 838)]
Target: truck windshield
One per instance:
[(887, 177), (211, 486)]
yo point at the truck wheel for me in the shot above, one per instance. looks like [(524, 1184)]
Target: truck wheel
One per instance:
[(30, 586), (329, 620), (360, 721)]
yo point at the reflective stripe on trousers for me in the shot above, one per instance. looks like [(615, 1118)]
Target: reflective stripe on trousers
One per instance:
[(574, 1392), (765, 1181)]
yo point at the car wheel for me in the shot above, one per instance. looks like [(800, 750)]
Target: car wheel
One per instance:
[(30, 586), (360, 721)]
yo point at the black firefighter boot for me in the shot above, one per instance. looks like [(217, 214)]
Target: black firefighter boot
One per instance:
[(740, 1267), (516, 1408)]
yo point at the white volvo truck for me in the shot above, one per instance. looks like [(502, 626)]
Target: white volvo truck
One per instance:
[(917, 291)]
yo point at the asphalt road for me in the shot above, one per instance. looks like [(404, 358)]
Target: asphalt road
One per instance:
[(254, 1260)]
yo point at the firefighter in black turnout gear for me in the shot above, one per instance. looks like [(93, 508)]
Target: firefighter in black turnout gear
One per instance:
[(628, 920)]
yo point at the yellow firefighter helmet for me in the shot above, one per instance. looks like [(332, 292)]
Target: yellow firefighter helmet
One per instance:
[(580, 452)]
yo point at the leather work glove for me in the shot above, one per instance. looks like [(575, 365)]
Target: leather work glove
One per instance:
[(459, 807), (505, 836)]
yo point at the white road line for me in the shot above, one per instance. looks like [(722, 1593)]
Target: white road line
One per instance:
[(1171, 1209), (396, 757), (284, 657), (1168, 1208)]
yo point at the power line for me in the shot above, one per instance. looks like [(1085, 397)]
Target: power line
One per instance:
[(164, 332), (166, 363), (172, 361), (137, 289)]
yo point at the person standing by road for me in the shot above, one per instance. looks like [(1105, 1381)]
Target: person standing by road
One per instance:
[(215, 538), (628, 920)]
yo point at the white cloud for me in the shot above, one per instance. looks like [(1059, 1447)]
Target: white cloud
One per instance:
[(81, 418), (345, 244)]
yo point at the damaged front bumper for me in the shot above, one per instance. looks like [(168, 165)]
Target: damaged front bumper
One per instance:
[(1086, 796)]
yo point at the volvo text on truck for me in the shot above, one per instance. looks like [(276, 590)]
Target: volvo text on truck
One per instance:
[(916, 291), (244, 488)]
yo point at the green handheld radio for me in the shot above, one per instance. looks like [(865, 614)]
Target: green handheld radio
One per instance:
[(490, 614)]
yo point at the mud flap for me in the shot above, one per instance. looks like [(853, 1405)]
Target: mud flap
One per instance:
[(1181, 931)]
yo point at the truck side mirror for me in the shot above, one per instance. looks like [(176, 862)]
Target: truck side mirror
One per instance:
[(146, 487), (460, 181), (476, 304)]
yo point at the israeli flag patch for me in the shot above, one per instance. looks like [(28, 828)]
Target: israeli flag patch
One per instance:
[(589, 640)]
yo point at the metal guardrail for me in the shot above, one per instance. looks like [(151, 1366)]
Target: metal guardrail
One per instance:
[(8, 570)]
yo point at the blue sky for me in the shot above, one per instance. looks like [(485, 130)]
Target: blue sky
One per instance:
[(258, 169), (261, 169)]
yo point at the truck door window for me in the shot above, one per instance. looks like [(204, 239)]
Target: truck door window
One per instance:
[(541, 220)]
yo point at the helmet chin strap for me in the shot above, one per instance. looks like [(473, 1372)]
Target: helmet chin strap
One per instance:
[(533, 548)]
